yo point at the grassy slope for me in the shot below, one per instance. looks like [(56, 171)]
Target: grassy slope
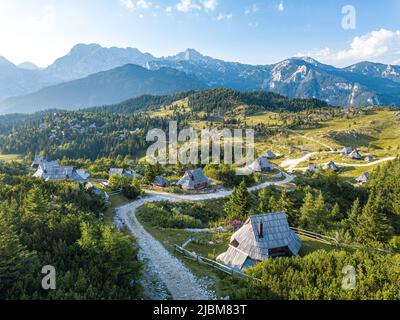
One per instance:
[(9, 157), (380, 130), (377, 134)]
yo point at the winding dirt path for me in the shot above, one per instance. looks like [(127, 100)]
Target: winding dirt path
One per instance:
[(366, 164), (313, 140), (356, 165), (291, 164), (181, 283)]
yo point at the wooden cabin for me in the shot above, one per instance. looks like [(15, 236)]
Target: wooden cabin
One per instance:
[(261, 237)]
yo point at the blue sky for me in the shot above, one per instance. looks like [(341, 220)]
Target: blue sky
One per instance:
[(248, 31)]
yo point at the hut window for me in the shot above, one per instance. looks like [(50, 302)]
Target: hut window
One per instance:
[(235, 243)]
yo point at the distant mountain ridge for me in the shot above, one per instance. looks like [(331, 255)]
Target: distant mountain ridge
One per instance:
[(362, 84), (84, 60), (105, 87)]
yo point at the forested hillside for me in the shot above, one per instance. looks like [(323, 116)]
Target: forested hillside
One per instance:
[(58, 224), (121, 129), (219, 101)]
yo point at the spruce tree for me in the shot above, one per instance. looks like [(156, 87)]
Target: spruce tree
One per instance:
[(263, 201), (239, 204), (335, 212), (35, 202), (350, 224), (373, 227), (307, 211)]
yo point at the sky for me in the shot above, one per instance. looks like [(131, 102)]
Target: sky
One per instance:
[(337, 32)]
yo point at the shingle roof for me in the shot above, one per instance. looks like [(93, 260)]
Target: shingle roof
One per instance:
[(346, 150), (260, 164), (121, 172), (52, 170), (193, 178), (364, 178), (83, 174), (247, 242), (160, 181), (269, 154), (355, 155), (117, 171), (331, 165), (37, 161)]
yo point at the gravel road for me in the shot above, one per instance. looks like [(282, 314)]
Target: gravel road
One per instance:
[(178, 279)]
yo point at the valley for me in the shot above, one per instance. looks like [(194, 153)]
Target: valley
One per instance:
[(159, 216)]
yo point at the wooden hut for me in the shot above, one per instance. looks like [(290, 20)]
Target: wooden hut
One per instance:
[(194, 180), (261, 165), (261, 237)]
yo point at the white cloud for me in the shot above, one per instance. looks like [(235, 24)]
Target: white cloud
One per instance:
[(280, 7), (128, 4), (252, 9), (143, 4), (380, 45), (210, 5), (224, 16), (187, 6), (192, 5), (140, 4), (253, 25)]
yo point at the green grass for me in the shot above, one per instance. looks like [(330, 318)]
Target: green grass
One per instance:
[(308, 246), (117, 200), (10, 157), (210, 245), (378, 131)]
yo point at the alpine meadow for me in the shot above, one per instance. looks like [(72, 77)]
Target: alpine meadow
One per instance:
[(132, 168)]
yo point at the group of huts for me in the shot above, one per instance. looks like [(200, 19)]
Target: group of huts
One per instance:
[(331, 165), (354, 154), (52, 171)]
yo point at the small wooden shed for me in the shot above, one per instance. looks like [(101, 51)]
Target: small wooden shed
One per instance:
[(261, 237)]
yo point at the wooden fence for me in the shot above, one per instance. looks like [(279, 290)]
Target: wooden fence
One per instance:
[(316, 236), (212, 263), (115, 192)]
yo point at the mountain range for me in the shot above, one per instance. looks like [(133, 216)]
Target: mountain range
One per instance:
[(91, 75)]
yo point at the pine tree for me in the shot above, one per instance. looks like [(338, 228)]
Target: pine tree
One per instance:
[(17, 264), (273, 205), (307, 211), (263, 201), (285, 204), (150, 173), (335, 212), (35, 202), (239, 204), (350, 224), (373, 227)]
